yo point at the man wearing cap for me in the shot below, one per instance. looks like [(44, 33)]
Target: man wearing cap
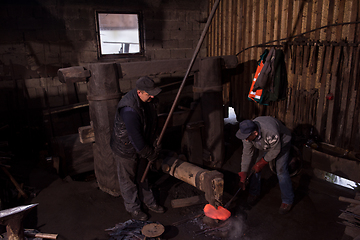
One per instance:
[(273, 140), (132, 142)]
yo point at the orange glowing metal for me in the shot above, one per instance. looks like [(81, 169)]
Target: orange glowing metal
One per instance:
[(220, 213)]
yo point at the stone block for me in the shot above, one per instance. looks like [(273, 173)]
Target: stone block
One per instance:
[(80, 35), (7, 84), (54, 81), (203, 52), (63, 90), (85, 13), (53, 35), (85, 45), (82, 97), (71, 13), (154, 25), (44, 83), (53, 23), (157, 35), (32, 83), (38, 12), (178, 34), (173, 15), (194, 16), (186, 44), (170, 44), (82, 23), (12, 35), (81, 87), (40, 92), (31, 35), (52, 91), (173, 25), (88, 56), (188, 26), (156, 44), (68, 58), (31, 93), (177, 53), (125, 85), (162, 54), (166, 35), (150, 53), (56, 101), (3, 14), (198, 26), (29, 23), (14, 10), (189, 53)]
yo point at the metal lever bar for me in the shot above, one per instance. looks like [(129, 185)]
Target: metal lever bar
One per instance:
[(202, 37), (246, 182)]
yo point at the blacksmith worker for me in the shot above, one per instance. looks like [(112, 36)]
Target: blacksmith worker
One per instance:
[(273, 140), (132, 143)]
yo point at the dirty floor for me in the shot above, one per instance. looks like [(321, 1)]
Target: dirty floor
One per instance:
[(77, 209)]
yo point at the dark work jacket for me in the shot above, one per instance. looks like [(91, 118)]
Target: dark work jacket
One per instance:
[(120, 142)]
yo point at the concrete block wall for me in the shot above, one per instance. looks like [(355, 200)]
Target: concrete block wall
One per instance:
[(39, 37)]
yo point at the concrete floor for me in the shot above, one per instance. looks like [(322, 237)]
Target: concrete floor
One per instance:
[(76, 209)]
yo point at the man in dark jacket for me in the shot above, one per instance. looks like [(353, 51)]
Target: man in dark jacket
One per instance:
[(273, 140), (132, 142)]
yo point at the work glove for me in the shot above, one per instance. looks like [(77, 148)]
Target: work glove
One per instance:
[(153, 156), (260, 165), (157, 146), (242, 181), (149, 153)]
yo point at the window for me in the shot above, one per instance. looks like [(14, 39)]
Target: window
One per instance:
[(119, 34)]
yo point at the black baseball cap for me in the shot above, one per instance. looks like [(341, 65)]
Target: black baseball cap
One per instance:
[(246, 127), (148, 85)]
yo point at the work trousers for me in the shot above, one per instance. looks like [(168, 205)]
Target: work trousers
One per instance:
[(282, 172), (130, 172)]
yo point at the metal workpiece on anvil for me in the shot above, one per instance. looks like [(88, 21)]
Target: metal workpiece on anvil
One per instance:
[(209, 181)]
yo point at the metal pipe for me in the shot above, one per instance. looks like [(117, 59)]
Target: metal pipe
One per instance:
[(189, 68), (202, 37)]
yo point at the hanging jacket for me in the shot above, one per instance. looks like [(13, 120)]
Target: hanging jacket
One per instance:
[(272, 79), (256, 94)]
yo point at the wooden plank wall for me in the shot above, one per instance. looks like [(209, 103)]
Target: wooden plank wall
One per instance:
[(320, 40)]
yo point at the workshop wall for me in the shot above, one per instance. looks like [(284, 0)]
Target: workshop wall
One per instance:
[(320, 40), (39, 37)]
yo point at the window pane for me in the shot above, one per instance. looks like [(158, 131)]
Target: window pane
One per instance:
[(119, 33)]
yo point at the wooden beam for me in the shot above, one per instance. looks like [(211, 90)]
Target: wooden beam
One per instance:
[(145, 68)]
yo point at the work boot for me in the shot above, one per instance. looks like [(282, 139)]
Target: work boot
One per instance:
[(284, 208), (155, 208), (252, 200), (139, 215)]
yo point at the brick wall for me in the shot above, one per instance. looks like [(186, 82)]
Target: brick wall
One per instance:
[(39, 37)]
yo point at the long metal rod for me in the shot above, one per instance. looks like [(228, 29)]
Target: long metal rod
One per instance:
[(246, 182), (202, 37), (189, 68)]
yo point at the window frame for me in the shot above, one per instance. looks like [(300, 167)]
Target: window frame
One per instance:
[(141, 52)]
